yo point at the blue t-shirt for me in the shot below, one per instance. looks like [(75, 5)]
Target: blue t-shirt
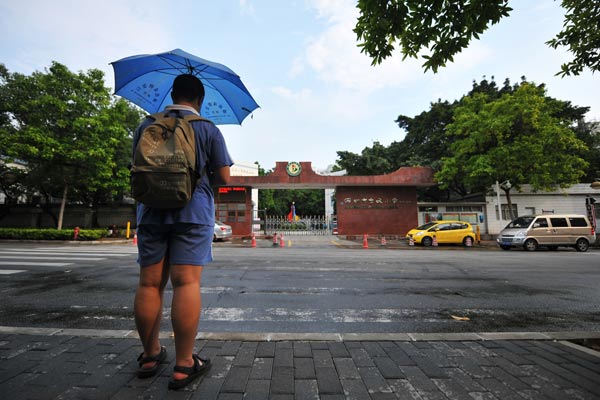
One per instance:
[(201, 208)]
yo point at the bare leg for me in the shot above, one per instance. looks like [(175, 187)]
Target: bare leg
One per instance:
[(148, 306), (185, 312)]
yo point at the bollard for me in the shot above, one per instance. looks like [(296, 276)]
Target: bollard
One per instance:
[(128, 230), (253, 240), (383, 241), (435, 243), (76, 233), (289, 242), (275, 242), (411, 241), (469, 241), (365, 242), (281, 241)]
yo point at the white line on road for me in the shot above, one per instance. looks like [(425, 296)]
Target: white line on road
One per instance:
[(54, 258), (11, 271), (48, 253), (35, 264)]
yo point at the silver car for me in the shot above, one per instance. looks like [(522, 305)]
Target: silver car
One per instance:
[(222, 231), (550, 231)]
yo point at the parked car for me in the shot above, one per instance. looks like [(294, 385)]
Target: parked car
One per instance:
[(551, 231), (444, 232), (222, 231)]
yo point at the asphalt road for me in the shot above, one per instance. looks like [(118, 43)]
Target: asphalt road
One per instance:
[(318, 285)]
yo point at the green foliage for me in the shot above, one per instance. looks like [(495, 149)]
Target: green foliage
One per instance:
[(443, 29), (427, 140), (517, 137), (69, 132), (581, 34), (50, 234), (277, 202)]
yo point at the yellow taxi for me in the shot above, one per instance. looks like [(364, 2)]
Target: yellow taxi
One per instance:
[(443, 231)]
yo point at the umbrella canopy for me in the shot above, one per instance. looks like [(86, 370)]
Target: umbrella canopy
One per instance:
[(147, 80)]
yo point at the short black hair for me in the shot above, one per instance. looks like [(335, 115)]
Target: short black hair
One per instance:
[(187, 87)]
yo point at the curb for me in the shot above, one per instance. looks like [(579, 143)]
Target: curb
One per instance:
[(337, 337)]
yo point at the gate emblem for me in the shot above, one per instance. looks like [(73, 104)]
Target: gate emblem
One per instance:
[(293, 168)]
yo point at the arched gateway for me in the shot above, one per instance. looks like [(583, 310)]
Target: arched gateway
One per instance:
[(378, 204)]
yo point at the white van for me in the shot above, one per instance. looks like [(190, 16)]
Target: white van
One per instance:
[(550, 231)]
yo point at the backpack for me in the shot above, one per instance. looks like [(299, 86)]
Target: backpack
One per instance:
[(163, 171)]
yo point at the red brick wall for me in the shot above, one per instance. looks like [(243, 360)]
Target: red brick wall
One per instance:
[(376, 210)]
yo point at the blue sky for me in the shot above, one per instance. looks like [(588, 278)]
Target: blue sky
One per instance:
[(299, 59)]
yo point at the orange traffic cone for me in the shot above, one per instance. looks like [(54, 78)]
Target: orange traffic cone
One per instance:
[(383, 241), (365, 242), (253, 240), (134, 237), (281, 241)]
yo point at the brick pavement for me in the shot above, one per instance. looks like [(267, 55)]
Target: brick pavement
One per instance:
[(74, 365)]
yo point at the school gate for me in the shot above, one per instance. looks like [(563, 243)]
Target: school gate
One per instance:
[(375, 205)]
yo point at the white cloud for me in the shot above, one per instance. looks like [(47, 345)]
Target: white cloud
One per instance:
[(82, 34), (247, 8), (336, 58)]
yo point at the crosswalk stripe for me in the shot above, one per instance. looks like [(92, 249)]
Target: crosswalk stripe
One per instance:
[(54, 258), (34, 264), (51, 253)]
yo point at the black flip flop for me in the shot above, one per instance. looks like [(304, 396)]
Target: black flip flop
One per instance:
[(149, 372), (192, 372)]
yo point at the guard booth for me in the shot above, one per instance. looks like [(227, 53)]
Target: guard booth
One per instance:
[(373, 205)]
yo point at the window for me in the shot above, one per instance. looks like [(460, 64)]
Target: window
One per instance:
[(559, 222), (541, 223), (579, 222), (505, 213)]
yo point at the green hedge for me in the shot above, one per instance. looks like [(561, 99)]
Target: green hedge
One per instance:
[(50, 234)]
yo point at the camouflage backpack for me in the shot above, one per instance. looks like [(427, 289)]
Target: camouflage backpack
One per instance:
[(163, 171)]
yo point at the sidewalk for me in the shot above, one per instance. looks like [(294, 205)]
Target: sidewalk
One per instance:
[(78, 364)]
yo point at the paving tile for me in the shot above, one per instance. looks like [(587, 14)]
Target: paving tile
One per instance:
[(208, 389), (282, 381), (257, 389), (506, 378), (388, 368), (338, 349), (319, 345), (451, 389), (399, 356), (346, 368), (245, 355), (265, 349), (328, 381), (236, 380), (262, 368), (354, 389), (418, 379), (322, 358), (302, 349), (429, 368), (283, 358), (304, 368), (373, 380), (465, 380), (229, 348), (499, 389), (410, 349), (361, 357), (374, 349), (306, 389)]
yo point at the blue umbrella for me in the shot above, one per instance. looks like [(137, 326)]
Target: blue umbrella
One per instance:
[(147, 80)]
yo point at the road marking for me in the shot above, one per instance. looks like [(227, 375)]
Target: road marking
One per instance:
[(35, 264), (49, 253), (54, 258), (11, 271)]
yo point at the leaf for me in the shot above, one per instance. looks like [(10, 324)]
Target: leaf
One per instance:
[(460, 318)]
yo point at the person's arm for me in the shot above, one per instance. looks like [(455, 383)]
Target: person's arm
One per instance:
[(221, 176)]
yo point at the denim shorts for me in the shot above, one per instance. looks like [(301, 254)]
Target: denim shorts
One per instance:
[(180, 243)]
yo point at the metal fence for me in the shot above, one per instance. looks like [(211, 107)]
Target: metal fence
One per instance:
[(306, 226)]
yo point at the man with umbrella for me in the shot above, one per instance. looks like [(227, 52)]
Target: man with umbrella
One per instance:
[(176, 243)]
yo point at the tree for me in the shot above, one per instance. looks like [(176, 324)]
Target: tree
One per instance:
[(73, 137), (445, 28), (517, 138)]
